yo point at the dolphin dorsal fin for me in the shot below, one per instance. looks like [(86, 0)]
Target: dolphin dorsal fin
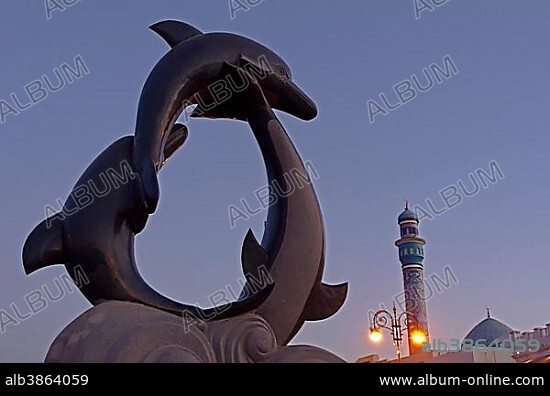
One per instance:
[(175, 32), (44, 246), (253, 255)]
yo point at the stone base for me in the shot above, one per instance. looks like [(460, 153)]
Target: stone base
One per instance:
[(123, 332)]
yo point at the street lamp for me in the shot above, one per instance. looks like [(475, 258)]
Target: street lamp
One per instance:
[(397, 325), (375, 335)]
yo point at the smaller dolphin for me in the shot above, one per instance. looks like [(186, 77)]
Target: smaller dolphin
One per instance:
[(99, 238)]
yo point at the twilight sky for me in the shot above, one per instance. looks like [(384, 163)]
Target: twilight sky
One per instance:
[(495, 108)]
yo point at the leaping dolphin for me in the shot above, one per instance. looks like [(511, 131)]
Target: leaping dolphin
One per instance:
[(99, 237), (183, 75), (293, 245)]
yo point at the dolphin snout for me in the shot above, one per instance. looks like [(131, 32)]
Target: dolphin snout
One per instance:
[(297, 102)]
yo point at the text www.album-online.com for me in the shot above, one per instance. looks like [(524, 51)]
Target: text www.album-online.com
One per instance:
[(433, 380)]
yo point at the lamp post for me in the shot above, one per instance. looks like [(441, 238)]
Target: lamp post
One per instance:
[(397, 325)]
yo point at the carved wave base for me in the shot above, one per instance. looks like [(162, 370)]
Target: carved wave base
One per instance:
[(123, 332)]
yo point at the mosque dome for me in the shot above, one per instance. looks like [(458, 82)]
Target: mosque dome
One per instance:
[(407, 214), (489, 329)]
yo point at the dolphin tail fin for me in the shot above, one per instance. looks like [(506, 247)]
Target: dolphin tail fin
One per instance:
[(325, 301), (253, 255), (44, 246), (175, 32), (254, 259)]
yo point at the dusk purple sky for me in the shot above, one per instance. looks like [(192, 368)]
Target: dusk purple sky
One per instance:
[(494, 109)]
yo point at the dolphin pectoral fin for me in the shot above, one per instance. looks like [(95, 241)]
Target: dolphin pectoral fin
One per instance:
[(44, 246), (228, 108), (243, 101), (137, 212), (225, 110), (147, 182), (253, 255), (251, 95), (325, 301), (175, 32), (250, 64), (177, 137), (145, 188), (291, 99), (149, 187)]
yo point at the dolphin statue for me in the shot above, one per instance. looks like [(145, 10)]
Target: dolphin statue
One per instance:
[(293, 245), (99, 237), (182, 78)]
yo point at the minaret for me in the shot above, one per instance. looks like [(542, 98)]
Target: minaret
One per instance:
[(411, 255)]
